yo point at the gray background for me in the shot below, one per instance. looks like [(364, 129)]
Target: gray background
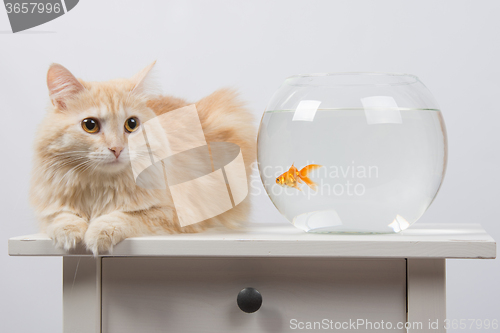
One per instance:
[(200, 46)]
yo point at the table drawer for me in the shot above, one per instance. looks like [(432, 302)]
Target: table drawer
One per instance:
[(199, 294)]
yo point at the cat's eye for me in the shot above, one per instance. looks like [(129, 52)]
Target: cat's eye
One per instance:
[(90, 125), (131, 124)]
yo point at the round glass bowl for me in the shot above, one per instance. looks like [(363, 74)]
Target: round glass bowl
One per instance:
[(352, 152)]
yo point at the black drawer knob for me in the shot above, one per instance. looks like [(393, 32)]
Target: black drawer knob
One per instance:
[(249, 300)]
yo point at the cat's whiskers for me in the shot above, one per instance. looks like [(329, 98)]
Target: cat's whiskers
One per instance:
[(54, 166), (70, 152), (95, 167), (72, 171), (88, 167), (65, 162), (68, 156)]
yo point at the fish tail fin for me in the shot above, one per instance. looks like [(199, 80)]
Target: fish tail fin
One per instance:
[(303, 175), (308, 168), (309, 183)]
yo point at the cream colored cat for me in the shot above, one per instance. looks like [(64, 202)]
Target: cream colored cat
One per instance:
[(82, 186)]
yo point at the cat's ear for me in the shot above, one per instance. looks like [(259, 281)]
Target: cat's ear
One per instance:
[(62, 85), (144, 81)]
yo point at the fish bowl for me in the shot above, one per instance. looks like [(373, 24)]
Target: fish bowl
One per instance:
[(352, 152)]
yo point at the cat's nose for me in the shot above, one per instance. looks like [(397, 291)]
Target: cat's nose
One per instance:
[(116, 150)]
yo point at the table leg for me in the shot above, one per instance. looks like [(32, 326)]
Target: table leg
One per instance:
[(81, 294), (426, 299)]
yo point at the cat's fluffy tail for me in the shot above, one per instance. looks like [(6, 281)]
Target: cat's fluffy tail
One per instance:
[(224, 118)]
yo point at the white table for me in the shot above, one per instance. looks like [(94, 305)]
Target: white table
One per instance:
[(189, 282)]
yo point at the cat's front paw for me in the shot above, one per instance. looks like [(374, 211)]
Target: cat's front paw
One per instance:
[(103, 233), (67, 230)]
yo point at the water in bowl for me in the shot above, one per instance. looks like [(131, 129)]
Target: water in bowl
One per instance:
[(381, 168)]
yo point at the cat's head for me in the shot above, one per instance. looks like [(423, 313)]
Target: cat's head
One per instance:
[(89, 123)]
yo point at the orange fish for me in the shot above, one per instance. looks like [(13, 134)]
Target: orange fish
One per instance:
[(293, 177)]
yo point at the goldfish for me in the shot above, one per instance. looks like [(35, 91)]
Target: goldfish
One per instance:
[(293, 177)]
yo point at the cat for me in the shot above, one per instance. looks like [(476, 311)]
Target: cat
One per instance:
[(82, 187)]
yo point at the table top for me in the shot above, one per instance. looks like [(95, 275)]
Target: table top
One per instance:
[(284, 240)]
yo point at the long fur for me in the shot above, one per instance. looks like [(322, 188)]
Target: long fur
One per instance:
[(79, 199)]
